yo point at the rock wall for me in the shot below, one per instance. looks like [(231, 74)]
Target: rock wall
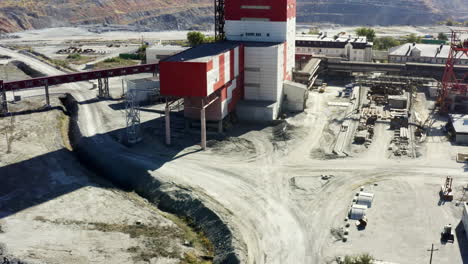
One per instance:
[(158, 14), (369, 12), (130, 171), (198, 14)]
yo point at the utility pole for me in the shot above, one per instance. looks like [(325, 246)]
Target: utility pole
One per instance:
[(432, 251)]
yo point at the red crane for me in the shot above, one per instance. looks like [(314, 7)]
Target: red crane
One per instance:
[(451, 83)]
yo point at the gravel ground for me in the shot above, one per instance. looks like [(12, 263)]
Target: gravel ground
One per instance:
[(52, 210), (277, 205)]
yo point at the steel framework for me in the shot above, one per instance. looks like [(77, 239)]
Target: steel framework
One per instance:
[(3, 99), (451, 83), (132, 114), (219, 19)]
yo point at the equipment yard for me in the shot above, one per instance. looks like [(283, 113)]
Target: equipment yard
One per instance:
[(224, 153), (266, 183)]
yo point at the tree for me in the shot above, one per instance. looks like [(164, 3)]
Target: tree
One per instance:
[(361, 259), (315, 31), (369, 33), (195, 38), (384, 43), (412, 38), (442, 36)]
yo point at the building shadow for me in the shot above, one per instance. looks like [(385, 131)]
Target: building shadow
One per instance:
[(460, 236), (43, 178), (32, 111)]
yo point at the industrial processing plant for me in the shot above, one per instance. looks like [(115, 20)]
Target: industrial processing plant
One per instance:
[(263, 140)]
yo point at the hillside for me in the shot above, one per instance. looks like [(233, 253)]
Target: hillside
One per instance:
[(381, 12), (16, 15)]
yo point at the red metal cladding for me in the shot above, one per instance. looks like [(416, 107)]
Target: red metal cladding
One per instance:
[(231, 63), (238, 93), (79, 77), (183, 78), (222, 79), (292, 8), (277, 10)]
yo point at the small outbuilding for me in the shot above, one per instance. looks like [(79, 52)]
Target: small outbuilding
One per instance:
[(465, 218), (143, 89), (295, 96), (398, 101), (366, 199), (460, 126), (357, 211)]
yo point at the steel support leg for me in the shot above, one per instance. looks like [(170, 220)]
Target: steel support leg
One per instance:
[(47, 95), (3, 99), (99, 87), (168, 125), (106, 93), (203, 126), (103, 86), (220, 126)]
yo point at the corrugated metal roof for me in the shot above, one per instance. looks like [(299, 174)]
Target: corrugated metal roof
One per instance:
[(427, 50), (324, 41), (460, 123)]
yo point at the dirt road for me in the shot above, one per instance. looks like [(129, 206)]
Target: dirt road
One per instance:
[(275, 201)]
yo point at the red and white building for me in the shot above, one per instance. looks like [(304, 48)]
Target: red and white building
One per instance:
[(204, 71), (246, 72)]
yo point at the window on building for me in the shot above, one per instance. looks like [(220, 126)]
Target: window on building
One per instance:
[(256, 85), (263, 7), (258, 34), (250, 34)]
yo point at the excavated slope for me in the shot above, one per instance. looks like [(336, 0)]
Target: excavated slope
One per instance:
[(380, 12), (16, 15)]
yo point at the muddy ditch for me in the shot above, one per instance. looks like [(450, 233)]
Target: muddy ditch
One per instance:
[(129, 171), (27, 69)]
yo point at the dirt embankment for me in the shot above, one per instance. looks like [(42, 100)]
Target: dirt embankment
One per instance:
[(131, 172), (52, 210), (149, 14)]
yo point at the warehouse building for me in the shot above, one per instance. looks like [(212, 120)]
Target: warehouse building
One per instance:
[(158, 52), (459, 123), (423, 53), (344, 47)]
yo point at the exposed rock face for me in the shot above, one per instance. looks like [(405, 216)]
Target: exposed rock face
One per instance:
[(159, 14), (380, 12), (18, 15)]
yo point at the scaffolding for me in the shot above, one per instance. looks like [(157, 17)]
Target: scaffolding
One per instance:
[(103, 87), (132, 114)]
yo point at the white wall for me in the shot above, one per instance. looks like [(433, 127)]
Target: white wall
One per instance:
[(465, 219), (355, 55), (264, 73), (268, 31), (291, 39), (154, 54), (403, 59)]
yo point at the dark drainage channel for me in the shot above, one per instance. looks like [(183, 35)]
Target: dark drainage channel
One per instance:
[(27, 69), (130, 172)]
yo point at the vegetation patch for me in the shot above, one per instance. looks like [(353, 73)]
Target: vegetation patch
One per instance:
[(359, 259), (115, 62)]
